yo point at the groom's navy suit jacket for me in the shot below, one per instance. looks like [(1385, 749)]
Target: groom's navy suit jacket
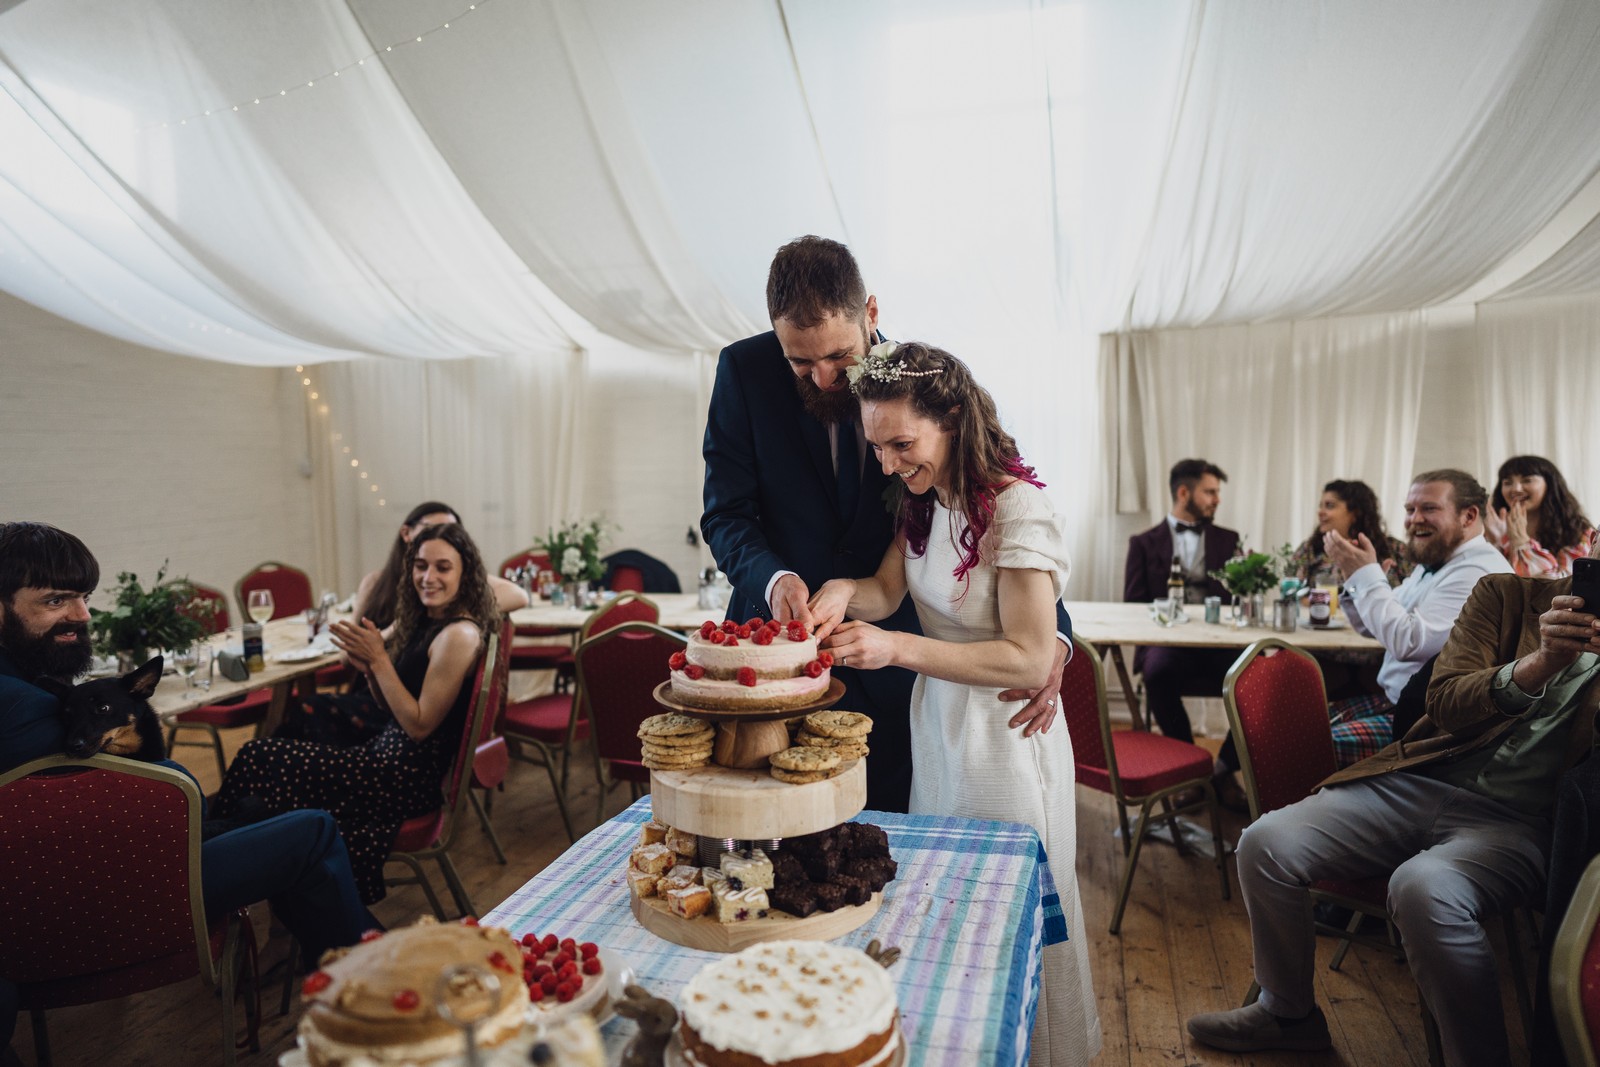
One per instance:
[(771, 504)]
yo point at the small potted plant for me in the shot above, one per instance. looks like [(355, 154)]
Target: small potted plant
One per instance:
[(168, 615), (574, 551), (1248, 576)]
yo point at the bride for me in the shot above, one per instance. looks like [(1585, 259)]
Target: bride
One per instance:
[(981, 551)]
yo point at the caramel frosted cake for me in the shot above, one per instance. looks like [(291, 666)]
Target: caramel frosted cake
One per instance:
[(750, 665), (376, 1003), (790, 1004)]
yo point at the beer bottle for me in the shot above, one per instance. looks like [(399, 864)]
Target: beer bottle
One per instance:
[(1175, 583)]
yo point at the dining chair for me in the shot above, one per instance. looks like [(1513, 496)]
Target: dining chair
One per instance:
[(544, 655), (248, 709), (429, 836), (86, 918), (618, 672), (290, 588), (491, 759), (1575, 971), (629, 568), (1138, 768), (540, 728)]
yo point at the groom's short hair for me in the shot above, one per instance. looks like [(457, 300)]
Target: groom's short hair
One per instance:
[(811, 278)]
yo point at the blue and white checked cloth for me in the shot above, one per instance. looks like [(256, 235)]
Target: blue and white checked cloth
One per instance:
[(971, 909)]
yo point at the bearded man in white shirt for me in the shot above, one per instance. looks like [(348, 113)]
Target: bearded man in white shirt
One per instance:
[(1444, 539)]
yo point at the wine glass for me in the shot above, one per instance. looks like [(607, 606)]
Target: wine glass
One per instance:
[(260, 605), (186, 660)]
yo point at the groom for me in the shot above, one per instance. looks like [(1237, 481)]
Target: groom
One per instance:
[(794, 498)]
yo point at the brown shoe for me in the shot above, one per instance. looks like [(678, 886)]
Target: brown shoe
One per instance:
[(1229, 794)]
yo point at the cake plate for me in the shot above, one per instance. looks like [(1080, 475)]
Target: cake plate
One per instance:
[(675, 1056), (745, 738)]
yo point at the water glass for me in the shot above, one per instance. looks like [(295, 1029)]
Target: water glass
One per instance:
[(186, 660), (202, 665)]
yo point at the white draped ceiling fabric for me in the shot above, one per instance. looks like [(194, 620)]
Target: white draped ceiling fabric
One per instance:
[(1269, 212)]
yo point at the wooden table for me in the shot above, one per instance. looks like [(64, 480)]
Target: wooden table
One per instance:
[(172, 696), (679, 611), (1110, 625)]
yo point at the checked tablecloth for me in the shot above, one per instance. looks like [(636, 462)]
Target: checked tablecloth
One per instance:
[(971, 908)]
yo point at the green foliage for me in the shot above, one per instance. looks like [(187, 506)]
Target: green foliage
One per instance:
[(1253, 572), (574, 549), (168, 615)]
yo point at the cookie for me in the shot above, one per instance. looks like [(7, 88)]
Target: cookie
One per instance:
[(695, 740), (655, 763), (802, 758), (848, 753), (802, 777), (838, 724), (671, 725), (675, 755)]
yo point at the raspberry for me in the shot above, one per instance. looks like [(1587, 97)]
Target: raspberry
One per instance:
[(676, 661), (797, 632), (732, 641), (498, 961), (694, 672), (707, 627), (589, 949), (717, 637), (549, 943), (744, 632), (565, 993), (469, 920), (542, 969), (747, 676), (729, 626), (568, 972), (762, 637), (548, 983), (315, 983), (535, 993), (755, 622), (406, 1000), (591, 965), (371, 935), (529, 940), (568, 945), (826, 659), (814, 669)]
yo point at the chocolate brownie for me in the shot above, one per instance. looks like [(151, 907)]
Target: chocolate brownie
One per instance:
[(830, 897), (813, 844), (797, 898), (876, 872), (786, 869), (866, 841), (856, 890), (821, 866)]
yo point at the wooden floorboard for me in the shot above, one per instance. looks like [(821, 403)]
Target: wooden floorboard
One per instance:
[(1182, 950)]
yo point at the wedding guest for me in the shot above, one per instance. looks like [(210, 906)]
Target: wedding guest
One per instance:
[(1536, 521), (1350, 508), (375, 596)]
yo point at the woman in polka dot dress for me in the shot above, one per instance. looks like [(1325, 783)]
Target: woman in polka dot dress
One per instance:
[(442, 615)]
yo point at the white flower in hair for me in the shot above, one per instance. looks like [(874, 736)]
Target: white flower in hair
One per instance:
[(877, 358)]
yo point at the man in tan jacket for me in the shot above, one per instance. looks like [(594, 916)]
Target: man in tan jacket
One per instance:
[(1456, 813)]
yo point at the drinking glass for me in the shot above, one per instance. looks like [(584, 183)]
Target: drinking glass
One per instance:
[(260, 605), (186, 660), (202, 665)]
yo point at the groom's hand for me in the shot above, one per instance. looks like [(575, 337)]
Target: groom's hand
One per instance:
[(1039, 712), (789, 600)]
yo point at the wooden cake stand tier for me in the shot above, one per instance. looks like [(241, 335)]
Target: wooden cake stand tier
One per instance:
[(746, 738), (709, 935), (663, 695), (751, 805)]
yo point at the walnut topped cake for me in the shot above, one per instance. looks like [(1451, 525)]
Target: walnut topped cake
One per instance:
[(790, 1004)]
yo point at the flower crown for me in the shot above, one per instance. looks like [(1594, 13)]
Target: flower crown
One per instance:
[(878, 366)]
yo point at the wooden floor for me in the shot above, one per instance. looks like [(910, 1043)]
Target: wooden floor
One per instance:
[(1182, 950)]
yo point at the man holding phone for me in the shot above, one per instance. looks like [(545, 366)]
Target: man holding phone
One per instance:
[(1456, 814)]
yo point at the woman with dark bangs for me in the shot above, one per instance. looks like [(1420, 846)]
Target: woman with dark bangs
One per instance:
[(1535, 521), (982, 553), (422, 675)]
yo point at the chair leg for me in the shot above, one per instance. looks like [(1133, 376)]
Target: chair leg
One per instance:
[(457, 890), (41, 1037), (482, 808), (229, 971), (1216, 836), (172, 736), (561, 798), (216, 748), (1430, 1028), (1344, 945), (422, 880), (1129, 865), (1252, 994), (291, 965), (1519, 973)]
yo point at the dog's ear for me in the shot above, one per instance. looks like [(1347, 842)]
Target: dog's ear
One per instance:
[(54, 687), (142, 682)]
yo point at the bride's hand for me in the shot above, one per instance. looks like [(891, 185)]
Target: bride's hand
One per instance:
[(862, 646), (829, 605)]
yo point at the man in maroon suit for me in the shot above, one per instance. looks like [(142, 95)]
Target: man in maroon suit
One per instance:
[(1189, 535)]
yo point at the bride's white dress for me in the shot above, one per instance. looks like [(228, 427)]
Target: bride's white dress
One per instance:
[(967, 762)]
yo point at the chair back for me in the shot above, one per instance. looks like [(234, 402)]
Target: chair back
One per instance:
[(488, 685), (624, 578), (291, 588), (618, 672), (1083, 706), (629, 568), (540, 561), (84, 916), (1279, 713), (214, 600), (626, 607), (1575, 971)]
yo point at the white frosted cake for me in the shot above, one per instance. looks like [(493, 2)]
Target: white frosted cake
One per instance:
[(790, 1002), (750, 665)]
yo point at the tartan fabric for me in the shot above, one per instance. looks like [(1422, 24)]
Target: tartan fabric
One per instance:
[(1362, 726), (971, 909)]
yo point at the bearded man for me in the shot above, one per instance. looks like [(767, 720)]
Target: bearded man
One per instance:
[(790, 502), (1444, 539)]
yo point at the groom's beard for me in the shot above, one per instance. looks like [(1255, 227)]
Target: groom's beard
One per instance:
[(827, 408), (43, 656)]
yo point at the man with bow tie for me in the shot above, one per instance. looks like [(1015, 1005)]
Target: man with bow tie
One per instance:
[(1189, 535)]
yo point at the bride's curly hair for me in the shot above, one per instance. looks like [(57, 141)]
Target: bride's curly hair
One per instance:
[(983, 456), (474, 599)]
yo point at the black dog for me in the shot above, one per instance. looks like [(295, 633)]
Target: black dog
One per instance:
[(112, 715)]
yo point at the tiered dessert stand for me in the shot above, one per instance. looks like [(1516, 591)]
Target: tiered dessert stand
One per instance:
[(734, 798)]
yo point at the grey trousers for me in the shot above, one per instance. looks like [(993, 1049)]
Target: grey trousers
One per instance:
[(1456, 857)]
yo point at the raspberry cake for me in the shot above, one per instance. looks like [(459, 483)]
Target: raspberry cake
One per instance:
[(790, 1004), (754, 665)]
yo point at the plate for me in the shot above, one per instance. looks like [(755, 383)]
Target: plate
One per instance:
[(301, 655), (619, 975)]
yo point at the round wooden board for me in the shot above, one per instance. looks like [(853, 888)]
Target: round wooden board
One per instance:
[(708, 935), (822, 703), (725, 802)]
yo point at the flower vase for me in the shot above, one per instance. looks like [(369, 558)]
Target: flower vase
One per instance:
[(1249, 610), (130, 659), (578, 594)]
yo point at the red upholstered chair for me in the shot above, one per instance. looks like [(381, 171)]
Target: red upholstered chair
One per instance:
[(539, 657), (627, 579), (429, 836), (290, 586), (247, 710), (1575, 971), (84, 917), (538, 729), (492, 758), (1138, 768), (618, 672)]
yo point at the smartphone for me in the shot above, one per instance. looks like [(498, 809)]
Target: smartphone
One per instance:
[(1586, 583)]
